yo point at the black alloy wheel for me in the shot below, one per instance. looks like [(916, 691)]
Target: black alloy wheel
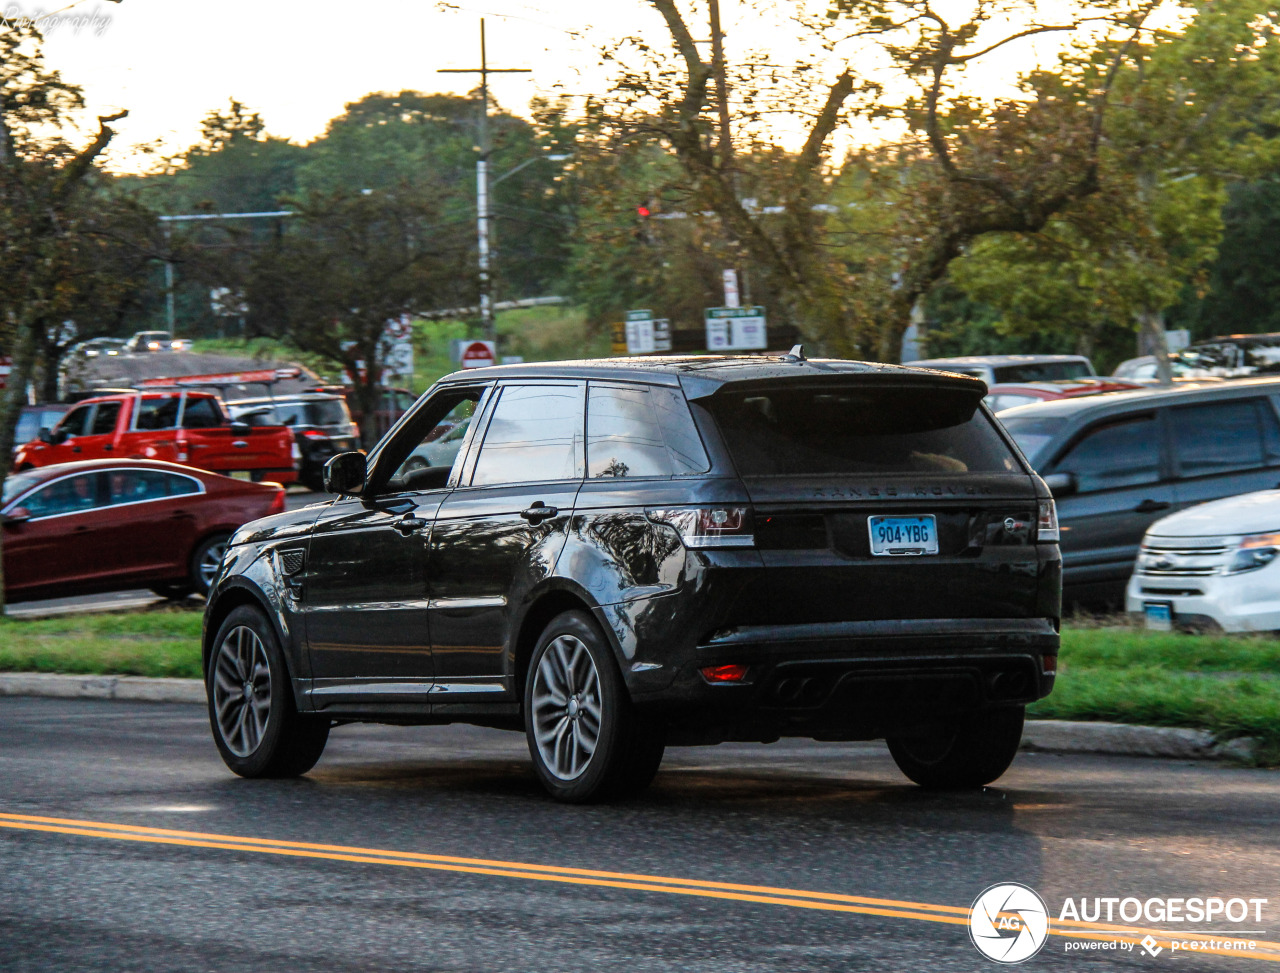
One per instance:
[(255, 724), (962, 754), (206, 559)]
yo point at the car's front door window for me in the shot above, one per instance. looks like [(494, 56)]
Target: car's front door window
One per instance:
[(1116, 454), (67, 495), (433, 446), (536, 434)]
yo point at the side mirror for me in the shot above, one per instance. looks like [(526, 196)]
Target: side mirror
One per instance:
[(18, 515), (1061, 484), (345, 473), (45, 435), (239, 428)]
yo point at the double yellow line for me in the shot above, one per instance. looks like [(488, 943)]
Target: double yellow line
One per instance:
[(762, 894)]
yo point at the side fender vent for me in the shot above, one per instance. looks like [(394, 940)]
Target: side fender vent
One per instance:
[(291, 561)]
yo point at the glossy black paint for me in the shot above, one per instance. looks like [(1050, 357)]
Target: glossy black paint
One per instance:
[(436, 623)]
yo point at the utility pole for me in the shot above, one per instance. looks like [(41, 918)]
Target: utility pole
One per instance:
[(482, 184)]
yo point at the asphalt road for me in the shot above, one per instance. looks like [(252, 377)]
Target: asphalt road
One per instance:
[(434, 849), (121, 600)]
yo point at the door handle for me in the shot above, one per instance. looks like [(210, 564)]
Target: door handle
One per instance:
[(108, 447), (75, 449), (240, 444), (407, 524), (1151, 506), (538, 512)]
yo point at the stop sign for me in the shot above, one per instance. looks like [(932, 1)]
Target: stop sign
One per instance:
[(477, 354)]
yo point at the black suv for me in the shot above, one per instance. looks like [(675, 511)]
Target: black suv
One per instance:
[(627, 554), (1120, 461), (321, 425)]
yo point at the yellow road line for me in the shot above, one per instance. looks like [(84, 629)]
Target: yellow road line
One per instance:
[(767, 895)]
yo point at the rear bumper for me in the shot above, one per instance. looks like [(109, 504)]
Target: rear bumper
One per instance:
[(855, 680)]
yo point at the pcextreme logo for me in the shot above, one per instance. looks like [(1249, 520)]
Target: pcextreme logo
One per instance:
[(1008, 923)]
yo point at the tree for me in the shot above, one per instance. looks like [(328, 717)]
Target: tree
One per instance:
[(44, 180), (1191, 112), (964, 167), (349, 263)]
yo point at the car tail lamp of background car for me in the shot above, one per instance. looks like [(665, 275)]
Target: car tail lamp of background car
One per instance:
[(703, 527), (277, 502), (1254, 551), (1047, 523), (315, 434)]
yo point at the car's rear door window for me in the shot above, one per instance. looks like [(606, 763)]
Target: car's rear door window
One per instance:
[(832, 430), (201, 414), (157, 413), (1218, 437), (1119, 453), (536, 434), (136, 486), (638, 431)]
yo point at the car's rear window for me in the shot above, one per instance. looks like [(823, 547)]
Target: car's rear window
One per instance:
[(327, 412), (838, 430), (1042, 371)]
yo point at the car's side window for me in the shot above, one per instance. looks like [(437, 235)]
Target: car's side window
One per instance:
[(435, 449), (1218, 437), (1119, 453), (535, 434), (635, 431), (157, 413), (200, 414), (135, 486), (70, 494), (77, 421), (104, 420)]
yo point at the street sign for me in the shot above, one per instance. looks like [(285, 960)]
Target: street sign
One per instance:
[(731, 289), (618, 335), (477, 354), (661, 334), (397, 358), (736, 329), (639, 330), (6, 366)]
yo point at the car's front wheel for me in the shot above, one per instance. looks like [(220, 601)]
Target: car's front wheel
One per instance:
[(586, 739), (256, 726), (967, 752)]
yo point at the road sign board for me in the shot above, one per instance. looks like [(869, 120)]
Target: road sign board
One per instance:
[(643, 314), (661, 334), (639, 336), (736, 328), (6, 366), (477, 354)]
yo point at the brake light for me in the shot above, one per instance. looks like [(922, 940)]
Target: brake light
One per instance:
[(731, 673), (314, 434), (1050, 666), (1047, 523), (277, 502), (709, 526)]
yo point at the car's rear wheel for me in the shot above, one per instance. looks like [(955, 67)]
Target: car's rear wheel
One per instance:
[(206, 559), (967, 752), (585, 737), (256, 726)]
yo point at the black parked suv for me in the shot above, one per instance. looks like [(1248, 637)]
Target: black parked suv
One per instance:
[(628, 554), (1120, 461), (321, 424)]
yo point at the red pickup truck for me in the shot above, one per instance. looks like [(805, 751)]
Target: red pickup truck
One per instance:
[(179, 427)]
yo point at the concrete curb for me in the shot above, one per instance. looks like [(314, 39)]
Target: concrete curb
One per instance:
[(1123, 739), (138, 688), (1052, 736)]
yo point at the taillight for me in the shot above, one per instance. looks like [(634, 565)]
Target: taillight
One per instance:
[(1050, 666), (1047, 523), (277, 503), (708, 526), (315, 434), (729, 673)]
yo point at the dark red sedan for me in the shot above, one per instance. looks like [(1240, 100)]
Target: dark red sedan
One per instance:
[(1010, 395), (109, 525)]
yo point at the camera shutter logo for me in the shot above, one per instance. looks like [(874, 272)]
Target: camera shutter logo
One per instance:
[(1008, 923)]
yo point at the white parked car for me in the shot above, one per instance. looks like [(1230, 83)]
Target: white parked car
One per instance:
[(1212, 565)]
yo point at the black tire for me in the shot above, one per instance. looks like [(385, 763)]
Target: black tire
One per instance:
[(965, 753), (586, 739), (256, 726), (204, 560), (175, 592)]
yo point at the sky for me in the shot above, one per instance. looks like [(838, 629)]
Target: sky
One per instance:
[(169, 62)]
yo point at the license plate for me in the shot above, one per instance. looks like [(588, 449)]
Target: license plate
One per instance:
[(903, 535), (1159, 615)]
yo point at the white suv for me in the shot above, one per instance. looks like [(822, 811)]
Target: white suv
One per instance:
[(1213, 565)]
